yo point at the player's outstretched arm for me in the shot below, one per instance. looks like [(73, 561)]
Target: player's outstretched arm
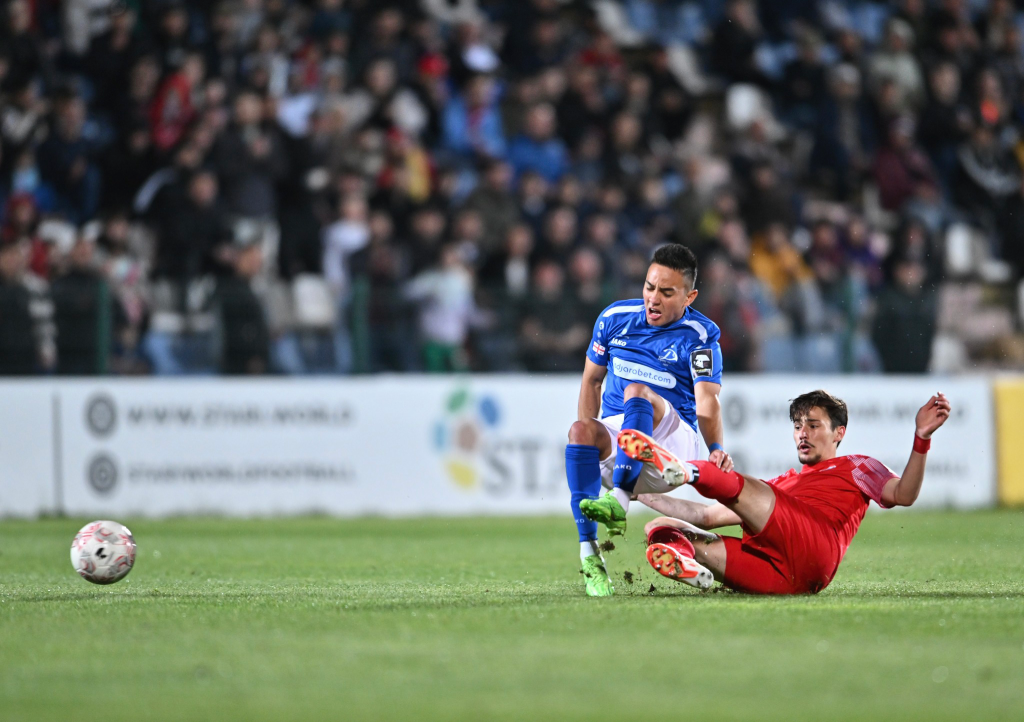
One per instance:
[(905, 490), (705, 516)]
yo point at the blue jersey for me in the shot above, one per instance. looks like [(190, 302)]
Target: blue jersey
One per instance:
[(670, 359)]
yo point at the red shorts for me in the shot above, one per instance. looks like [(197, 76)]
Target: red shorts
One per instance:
[(795, 553)]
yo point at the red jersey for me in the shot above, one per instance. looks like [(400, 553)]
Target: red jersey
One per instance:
[(839, 490)]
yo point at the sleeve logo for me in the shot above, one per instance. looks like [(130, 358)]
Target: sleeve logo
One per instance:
[(701, 362), (598, 349)]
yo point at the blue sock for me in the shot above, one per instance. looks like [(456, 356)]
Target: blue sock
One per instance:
[(638, 414), (583, 469)]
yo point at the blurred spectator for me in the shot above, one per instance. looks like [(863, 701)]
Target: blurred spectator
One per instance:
[(895, 62), (22, 121), (407, 177), (67, 162), (250, 160), (172, 35), (781, 268), (25, 57), (725, 296), (902, 170), (126, 273), (650, 215), (84, 21), (388, 268), (470, 54), (494, 201), (987, 175), (342, 239), (447, 311), (27, 332), (735, 41), (467, 234), (386, 40), (672, 103), (538, 149), (112, 52), (583, 108), (426, 235), (775, 261), (506, 275), (131, 160), (844, 138), (329, 17), (533, 202), (945, 121), (768, 199), (81, 301), (132, 107), (382, 102), (559, 237), (905, 323), (862, 256), (829, 264), (554, 333), (172, 111), (804, 83), (625, 151), (245, 338), (21, 226), (545, 45), (191, 230), (586, 278), (472, 124)]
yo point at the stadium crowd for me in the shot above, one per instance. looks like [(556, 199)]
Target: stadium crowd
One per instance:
[(349, 186)]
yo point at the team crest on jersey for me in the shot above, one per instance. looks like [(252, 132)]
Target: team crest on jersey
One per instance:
[(669, 356), (701, 362)]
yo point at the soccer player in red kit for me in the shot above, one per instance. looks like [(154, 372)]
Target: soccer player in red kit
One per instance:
[(796, 527)]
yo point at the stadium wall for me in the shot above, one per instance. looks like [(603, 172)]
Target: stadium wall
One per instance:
[(408, 445)]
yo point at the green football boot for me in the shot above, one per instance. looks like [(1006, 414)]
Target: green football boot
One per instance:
[(598, 583), (608, 511)]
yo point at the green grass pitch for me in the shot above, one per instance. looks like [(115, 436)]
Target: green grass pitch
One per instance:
[(485, 619)]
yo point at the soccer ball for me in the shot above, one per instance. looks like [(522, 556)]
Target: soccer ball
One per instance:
[(103, 552)]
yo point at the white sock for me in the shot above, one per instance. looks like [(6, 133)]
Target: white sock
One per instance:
[(621, 496), (588, 549)]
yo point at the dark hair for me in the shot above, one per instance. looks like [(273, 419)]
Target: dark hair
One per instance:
[(832, 405), (679, 258)]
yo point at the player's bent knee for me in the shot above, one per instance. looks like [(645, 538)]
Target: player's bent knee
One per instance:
[(637, 390), (585, 432)]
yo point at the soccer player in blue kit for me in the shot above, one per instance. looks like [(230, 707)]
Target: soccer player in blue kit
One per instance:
[(661, 366)]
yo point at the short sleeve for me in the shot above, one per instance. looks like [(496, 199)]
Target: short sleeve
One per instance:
[(706, 363), (598, 351), (871, 476)]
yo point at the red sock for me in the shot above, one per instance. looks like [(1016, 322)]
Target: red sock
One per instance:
[(717, 484), (672, 537)]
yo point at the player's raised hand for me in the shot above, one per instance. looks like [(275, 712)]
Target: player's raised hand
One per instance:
[(721, 459), (932, 415)]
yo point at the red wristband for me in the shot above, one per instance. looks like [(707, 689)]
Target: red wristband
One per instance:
[(921, 446)]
